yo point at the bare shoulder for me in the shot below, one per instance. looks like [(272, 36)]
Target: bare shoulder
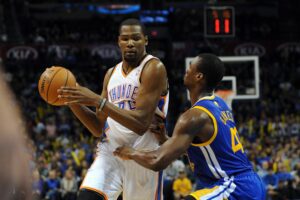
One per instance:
[(155, 64), (154, 70), (192, 121)]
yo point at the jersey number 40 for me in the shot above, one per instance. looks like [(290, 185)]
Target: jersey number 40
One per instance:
[(236, 145)]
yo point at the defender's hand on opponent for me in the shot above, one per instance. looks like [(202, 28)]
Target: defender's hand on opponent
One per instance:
[(158, 128), (124, 152), (79, 95)]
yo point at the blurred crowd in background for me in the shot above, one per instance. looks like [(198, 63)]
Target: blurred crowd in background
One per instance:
[(62, 149)]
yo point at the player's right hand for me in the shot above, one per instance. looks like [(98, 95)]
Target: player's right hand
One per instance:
[(79, 95)]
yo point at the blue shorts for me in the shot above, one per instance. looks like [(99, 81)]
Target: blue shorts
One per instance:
[(246, 186)]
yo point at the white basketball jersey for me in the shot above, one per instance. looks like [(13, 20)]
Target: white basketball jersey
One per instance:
[(122, 91)]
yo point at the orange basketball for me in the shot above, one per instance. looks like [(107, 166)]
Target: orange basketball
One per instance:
[(51, 80)]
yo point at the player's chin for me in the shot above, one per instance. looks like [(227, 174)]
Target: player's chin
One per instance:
[(130, 58)]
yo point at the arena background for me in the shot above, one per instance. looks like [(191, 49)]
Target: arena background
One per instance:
[(82, 36)]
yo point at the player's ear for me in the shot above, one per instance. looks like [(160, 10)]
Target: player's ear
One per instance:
[(146, 40), (199, 75)]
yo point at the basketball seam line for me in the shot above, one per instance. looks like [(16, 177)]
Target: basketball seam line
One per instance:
[(51, 82), (64, 85)]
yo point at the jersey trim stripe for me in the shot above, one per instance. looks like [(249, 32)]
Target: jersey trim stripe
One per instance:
[(219, 192), (123, 73), (102, 194), (228, 187), (206, 98), (209, 163), (113, 71), (203, 192), (214, 124), (215, 162), (141, 61), (145, 64), (158, 193)]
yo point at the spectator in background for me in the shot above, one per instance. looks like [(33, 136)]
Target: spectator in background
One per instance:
[(52, 186), (271, 182), (51, 127), (182, 186), (37, 185), (282, 173), (69, 186), (170, 174), (282, 192), (263, 170)]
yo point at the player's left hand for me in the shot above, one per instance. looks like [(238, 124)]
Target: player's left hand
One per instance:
[(124, 152), (79, 95)]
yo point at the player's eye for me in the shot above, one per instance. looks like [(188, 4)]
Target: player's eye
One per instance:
[(124, 38), (136, 38)]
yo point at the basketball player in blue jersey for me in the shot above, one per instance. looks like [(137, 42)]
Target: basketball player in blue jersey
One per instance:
[(133, 92), (208, 133)]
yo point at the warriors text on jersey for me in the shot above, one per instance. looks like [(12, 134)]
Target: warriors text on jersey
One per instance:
[(223, 155), (221, 165)]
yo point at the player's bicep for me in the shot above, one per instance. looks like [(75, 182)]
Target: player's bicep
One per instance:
[(187, 127), (177, 144), (153, 81)]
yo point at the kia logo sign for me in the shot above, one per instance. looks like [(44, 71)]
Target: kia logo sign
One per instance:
[(107, 52), (291, 47), (22, 53), (62, 51), (247, 49)]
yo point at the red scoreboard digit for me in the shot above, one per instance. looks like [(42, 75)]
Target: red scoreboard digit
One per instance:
[(219, 21)]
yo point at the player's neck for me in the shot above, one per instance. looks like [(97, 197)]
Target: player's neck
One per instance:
[(128, 66), (196, 95)]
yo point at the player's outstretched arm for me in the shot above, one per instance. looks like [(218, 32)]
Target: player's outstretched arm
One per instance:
[(94, 122), (187, 127)]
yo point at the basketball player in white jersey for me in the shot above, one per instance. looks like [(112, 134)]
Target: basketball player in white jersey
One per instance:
[(133, 92)]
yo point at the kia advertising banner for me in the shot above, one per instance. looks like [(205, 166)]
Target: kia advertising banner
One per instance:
[(180, 50)]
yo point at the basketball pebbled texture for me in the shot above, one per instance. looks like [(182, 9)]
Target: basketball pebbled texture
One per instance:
[(51, 80)]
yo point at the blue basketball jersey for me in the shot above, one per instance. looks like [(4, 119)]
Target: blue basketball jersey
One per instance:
[(222, 156)]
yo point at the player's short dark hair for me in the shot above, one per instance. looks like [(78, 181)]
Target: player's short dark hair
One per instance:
[(133, 21), (212, 68)]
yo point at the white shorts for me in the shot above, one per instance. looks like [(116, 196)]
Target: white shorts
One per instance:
[(110, 176)]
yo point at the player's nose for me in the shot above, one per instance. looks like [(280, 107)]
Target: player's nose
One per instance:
[(130, 44)]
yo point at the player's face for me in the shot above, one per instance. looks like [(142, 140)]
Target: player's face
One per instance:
[(192, 74), (132, 43)]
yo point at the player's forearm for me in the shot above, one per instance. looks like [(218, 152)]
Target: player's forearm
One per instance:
[(88, 118), (159, 159), (133, 120), (161, 137), (151, 160), (146, 159)]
